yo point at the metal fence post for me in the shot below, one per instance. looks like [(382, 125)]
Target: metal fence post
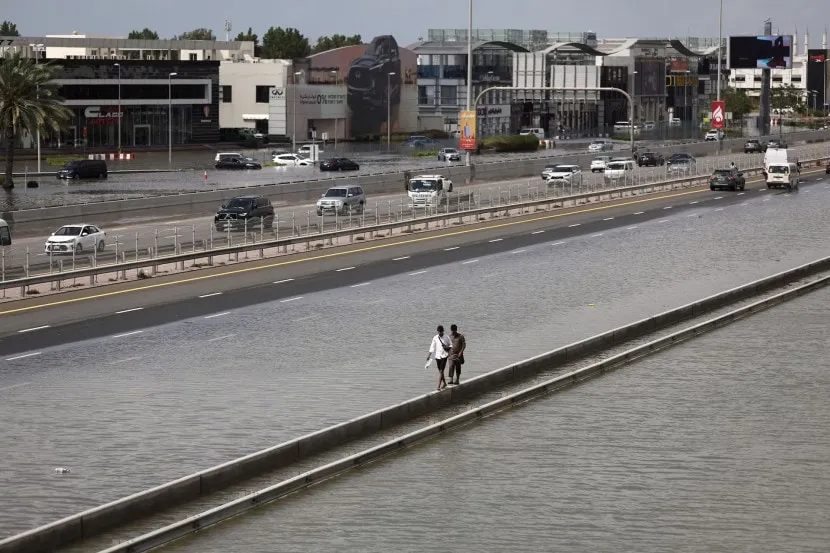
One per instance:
[(193, 237), (3, 271), (156, 243), (116, 249), (27, 261), (136, 246)]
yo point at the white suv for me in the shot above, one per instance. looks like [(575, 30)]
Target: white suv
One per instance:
[(598, 163), (343, 200), (570, 174), (600, 146)]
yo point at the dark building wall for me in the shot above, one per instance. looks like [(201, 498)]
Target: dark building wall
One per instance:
[(817, 75)]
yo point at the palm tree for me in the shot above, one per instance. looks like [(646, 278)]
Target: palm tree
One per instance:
[(28, 100)]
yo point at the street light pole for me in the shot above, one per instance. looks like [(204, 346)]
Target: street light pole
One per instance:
[(118, 65), (294, 112), (720, 61), (170, 118), (336, 75), (389, 111), (470, 66), (37, 48)]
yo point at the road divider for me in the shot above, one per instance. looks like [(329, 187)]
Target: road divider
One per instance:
[(96, 521)]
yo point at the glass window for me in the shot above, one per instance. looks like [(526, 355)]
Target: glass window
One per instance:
[(262, 93), (449, 95), (423, 98), (336, 193), (227, 94)]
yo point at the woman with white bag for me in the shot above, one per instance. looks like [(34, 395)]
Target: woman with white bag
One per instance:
[(439, 350)]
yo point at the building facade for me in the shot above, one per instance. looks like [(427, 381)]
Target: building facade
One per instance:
[(245, 92)]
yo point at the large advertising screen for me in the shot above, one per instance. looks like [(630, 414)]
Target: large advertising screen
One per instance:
[(760, 52)]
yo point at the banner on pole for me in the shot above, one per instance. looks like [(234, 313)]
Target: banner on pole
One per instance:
[(718, 114), (467, 126)]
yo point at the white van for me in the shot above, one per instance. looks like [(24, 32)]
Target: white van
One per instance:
[(622, 125), (428, 190), (5, 234), (537, 131), (619, 171), (783, 175), (780, 155)]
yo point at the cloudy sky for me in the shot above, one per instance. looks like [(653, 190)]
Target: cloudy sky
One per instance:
[(409, 20)]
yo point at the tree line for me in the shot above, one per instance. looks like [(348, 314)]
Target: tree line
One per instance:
[(276, 42)]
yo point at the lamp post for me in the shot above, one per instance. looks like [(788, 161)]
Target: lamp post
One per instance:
[(720, 61), (118, 65), (170, 118), (469, 65), (815, 95), (389, 111), (37, 48), (336, 75), (294, 112)]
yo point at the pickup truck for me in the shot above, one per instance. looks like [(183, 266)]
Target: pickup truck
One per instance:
[(428, 190)]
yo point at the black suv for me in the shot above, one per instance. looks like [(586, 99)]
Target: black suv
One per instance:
[(754, 146), (245, 213), (233, 161), (730, 179), (650, 159)]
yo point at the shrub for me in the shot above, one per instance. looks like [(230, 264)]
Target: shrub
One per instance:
[(60, 161), (511, 143), (426, 153)]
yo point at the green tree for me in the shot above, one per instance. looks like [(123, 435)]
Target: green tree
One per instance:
[(325, 43), (7, 28), (284, 44), (250, 36), (738, 103), (28, 100), (197, 34), (785, 96), (144, 34)]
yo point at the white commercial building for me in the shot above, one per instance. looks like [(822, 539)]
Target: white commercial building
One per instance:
[(245, 90)]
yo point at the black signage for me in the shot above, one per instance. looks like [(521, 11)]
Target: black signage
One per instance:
[(485, 111)]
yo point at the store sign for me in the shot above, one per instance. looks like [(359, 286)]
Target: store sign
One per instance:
[(322, 99), (107, 115), (492, 111), (319, 101)]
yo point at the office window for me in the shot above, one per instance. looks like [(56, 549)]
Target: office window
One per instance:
[(262, 94), (423, 97), (227, 94), (449, 95)]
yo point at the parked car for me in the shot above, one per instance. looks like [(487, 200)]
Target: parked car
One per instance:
[(598, 163), (538, 132), (291, 160), (245, 213), (754, 146), (449, 154), (421, 142), (343, 200), (776, 143), (338, 164), (83, 169), (236, 161), (650, 159), (76, 239), (600, 146), (563, 174), (713, 135), (730, 178)]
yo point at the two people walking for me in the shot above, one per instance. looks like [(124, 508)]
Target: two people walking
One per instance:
[(448, 350)]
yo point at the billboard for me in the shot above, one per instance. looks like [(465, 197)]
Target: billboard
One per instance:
[(467, 125), (817, 78), (718, 114), (650, 77), (358, 82), (760, 52)]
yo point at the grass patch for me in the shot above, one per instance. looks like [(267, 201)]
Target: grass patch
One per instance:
[(511, 143), (426, 153), (60, 161)]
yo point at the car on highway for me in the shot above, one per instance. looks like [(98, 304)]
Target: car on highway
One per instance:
[(238, 161), (291, 160), (5, 234), (244, 213), (339, 164), (449, 154), (714, 135), (619, 171), (827, 168), (421, 142), (342, 200), (563, 174), (83, 169), (681, 163), (598, 163), (428, 190), (727, 179), (600, 146), (754, 146), (650, 159), (77, 239), (776, 143)]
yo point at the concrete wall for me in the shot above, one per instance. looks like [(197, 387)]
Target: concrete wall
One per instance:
[(243, 78), (99, 519)]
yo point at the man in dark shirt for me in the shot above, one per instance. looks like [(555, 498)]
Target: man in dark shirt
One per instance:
[(459, 344)]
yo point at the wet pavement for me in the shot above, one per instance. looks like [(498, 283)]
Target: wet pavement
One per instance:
[(129, 412)]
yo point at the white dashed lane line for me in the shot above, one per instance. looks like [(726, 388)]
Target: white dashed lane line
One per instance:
[(470, 261), (575, 225), (283, 281), (692, 215), (639, 212), (694, 202), (291, 299), (25, 330), (663, 221), (124, 335), (210, 295), (401, 258), (450, 249), (417, 273), (718, 197), (127, 360), (24, 356), (597, 235), (518, 251), (345, 269), (222, 314), (537, 232), (719, 209), (608, 219), (631, 228), (128, 310), (13, 386), (557, 243), (225, 337), (496, 240), (741, 193), (359, 285), (667, 207)]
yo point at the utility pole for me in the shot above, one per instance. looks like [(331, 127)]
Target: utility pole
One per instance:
[(720, 62), (764, 115)]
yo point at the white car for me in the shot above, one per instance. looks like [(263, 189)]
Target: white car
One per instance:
[(291, 160), (598, 163), (713, 135), (78, 238), (600, 146), (561, 174)]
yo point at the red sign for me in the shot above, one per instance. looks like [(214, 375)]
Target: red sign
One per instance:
[(679, 66), (718, 114), (84, 131)]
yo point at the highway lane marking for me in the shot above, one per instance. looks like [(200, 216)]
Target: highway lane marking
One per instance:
[(451, 249), (741, 193), (766, 199), (13, 386), (124, 360), (496, 240), (211, 295), (359, 285), (128, 310), (663, 221), (537, 232), (460, 232), (345, 269), (25, 330), (283, 281), (417, 273), (608, 219), (597, 235), (558, 243), (222, 314), (718, 197), (401, 258), (518, 251), (24, 356), (470, 261), (692, 215), (226, 336), (124, 335), (291, 299), (575, 225), (667, 207), (719, 209), (694, 202), (631, 228)]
